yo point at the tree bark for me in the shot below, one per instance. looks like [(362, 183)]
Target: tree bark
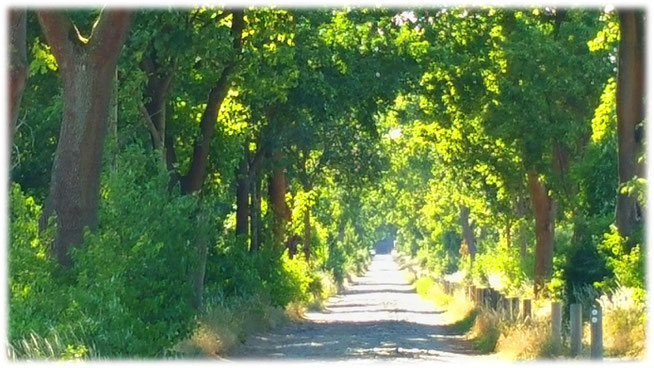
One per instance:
[(277, 194), (468, 232), (87, 70), (17, 65), (523, 242), (507, 232), (242, 193), (192, 181), (306, 246), (113, 120), (156, 92), (544, 211), (631, 112), (255, 210)]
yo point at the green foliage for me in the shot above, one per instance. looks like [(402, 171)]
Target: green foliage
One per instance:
[(389, 125), (129, 288), (31, 270), (626, 262)]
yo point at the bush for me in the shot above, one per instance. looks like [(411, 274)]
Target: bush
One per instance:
[(625, 259), (129, 290), (32, 285)]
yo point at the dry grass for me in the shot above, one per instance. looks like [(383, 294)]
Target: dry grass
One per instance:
[(222, 327), (486, 330), (459, 311), (527, 341), (624, 321)]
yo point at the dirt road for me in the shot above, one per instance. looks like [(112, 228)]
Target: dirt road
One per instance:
[(379, 317)]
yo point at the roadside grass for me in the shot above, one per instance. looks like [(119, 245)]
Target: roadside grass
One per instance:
[(56, 345), (624, 321), (226, 324), (459, 313), (527, 340)]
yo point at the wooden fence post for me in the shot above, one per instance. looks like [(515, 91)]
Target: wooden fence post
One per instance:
[(485, 297), (575, 329), (596, 347), (495, 299), (556, 324), (514, 307), (501, 307), (526, 308)]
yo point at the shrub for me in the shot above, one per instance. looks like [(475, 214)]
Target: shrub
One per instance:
[(129, 289)]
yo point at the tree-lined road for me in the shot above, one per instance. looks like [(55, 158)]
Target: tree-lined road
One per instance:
[(380, 316)]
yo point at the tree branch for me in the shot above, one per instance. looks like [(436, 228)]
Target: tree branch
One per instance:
[(59, 31), (109, 35), (156, 137), (192, 181)]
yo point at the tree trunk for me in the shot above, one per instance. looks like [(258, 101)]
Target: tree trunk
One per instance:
[(523, 242), (156, 92), (113, 121), (468, 232), (341, 231), (193, 180), (507, 232), (631, 112), (544, 211), (255, 209), (242, 194), (277, 193), (306, 247), (87, 70), (17, 65)]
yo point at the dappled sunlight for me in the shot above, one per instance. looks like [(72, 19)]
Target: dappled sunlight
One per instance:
[(378, 316)]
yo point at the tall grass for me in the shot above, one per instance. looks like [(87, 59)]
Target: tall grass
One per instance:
[(624, 321), (527, 340), (223, 325), (56, 345)]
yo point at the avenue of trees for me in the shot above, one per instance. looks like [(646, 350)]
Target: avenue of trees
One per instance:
[(167, 161)]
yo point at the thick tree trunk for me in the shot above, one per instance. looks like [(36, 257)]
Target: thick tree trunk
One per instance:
[(468, 232), (242, 194), (17, 65), (544, 212), (277, 194), (87, 71), (631, 112)]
